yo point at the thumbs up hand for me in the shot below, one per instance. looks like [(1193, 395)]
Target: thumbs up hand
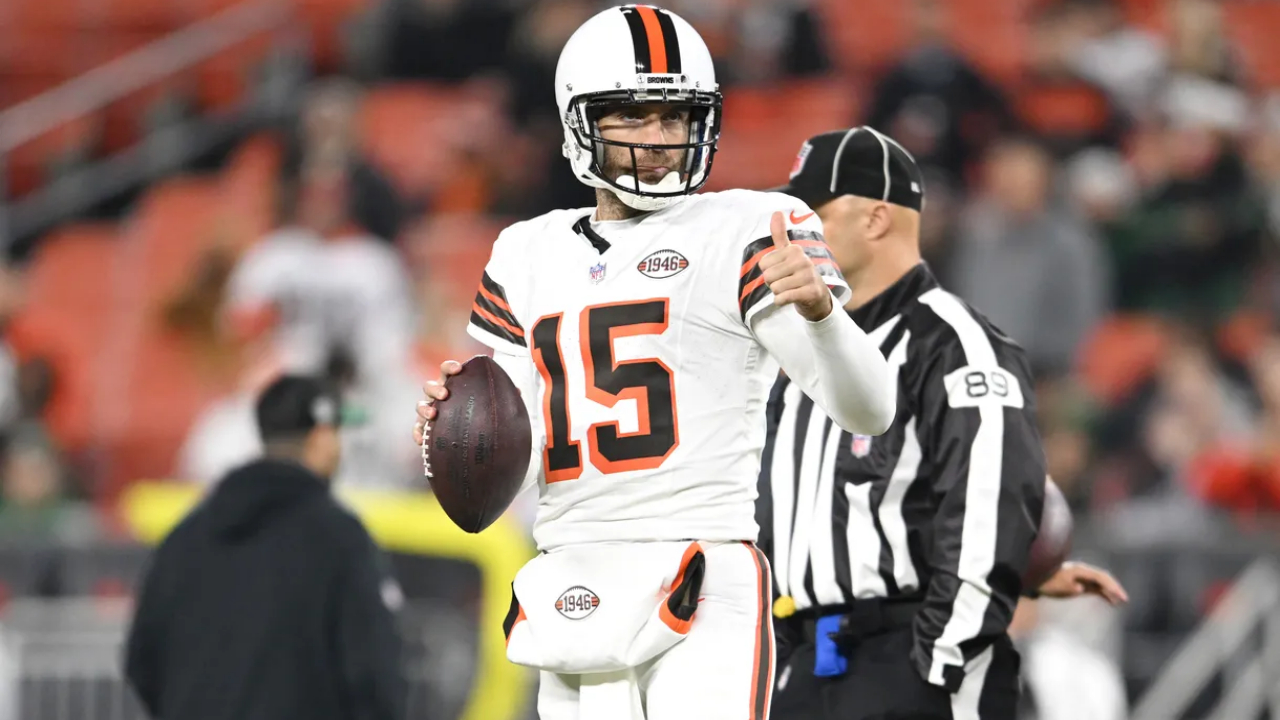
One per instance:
[(792, 276)]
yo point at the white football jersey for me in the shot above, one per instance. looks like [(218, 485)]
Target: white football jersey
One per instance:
[(351, 290), (651, 387)]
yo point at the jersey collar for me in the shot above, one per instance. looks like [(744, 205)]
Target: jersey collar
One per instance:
[(583, 228), (896, 299)]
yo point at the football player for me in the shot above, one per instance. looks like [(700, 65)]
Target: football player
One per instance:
[(645, 334)]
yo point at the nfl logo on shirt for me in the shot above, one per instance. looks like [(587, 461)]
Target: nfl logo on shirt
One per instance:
[(597, 273), (860, 445)]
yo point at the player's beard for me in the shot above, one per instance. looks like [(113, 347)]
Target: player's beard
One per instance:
[(654, 165)]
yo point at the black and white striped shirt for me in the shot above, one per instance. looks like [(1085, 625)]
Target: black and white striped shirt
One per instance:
[(941, 508)]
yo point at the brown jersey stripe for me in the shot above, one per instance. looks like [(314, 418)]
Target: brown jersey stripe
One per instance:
[(762, 680), (488, 325), (501, 313), (493, 288)]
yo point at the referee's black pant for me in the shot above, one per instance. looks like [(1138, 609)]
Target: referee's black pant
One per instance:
[(881, 683)]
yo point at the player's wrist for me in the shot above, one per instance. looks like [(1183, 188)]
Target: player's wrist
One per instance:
[(818, 312)]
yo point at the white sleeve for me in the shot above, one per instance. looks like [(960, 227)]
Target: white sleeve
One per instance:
[(835, 363), (522, 372)]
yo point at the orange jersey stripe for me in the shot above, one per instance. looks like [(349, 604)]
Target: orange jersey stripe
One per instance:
[(746, 266), (495, 299), (750, 286), (475, 307), (657, 47)]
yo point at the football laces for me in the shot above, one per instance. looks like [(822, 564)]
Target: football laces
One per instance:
[(426, 450)]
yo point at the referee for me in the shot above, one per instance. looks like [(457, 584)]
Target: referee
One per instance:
[(897, 558)]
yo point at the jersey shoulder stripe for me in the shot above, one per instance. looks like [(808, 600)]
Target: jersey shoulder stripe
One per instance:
[(492, 313), (751, 286)]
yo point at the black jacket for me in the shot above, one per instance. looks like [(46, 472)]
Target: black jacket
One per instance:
[(941, 509), (267, 603)]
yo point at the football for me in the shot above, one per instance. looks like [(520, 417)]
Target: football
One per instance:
[(1053, 542), (476, 452)]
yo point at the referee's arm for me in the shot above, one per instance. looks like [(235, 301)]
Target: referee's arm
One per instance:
[(988, 470)]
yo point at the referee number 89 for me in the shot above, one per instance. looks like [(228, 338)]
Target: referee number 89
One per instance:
[(979, 383)]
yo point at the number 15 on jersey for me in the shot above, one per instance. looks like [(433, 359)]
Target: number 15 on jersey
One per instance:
[(648, 381)]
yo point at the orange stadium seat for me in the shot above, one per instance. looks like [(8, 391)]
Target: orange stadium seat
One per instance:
[(248, 191), (326, 19), (36, 15), (1253, 26), (993, 34), (412, 132), (1149, 14), (865, 35), (71, 287), (158, 386), (452, 249), (149, 14), (170, 229), (1120, 354), (225, 77), (764, 128)]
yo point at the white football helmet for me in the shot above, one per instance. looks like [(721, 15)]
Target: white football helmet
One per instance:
[(636, 54)]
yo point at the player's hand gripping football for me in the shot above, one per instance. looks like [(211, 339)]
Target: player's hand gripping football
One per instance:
[(1074, 579), (792, 276), (434, 390)]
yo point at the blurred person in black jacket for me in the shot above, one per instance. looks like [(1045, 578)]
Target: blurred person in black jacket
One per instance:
[(270, 601)]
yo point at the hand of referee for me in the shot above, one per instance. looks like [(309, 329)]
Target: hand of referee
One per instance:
[(1074, 579), (792, 276)]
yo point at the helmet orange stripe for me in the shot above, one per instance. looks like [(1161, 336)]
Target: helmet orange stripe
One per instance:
[(653, 30)]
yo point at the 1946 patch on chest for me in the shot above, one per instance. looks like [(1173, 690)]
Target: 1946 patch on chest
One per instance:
[(662, 264)]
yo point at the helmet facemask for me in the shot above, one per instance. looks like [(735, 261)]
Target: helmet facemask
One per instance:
[(585, 147)]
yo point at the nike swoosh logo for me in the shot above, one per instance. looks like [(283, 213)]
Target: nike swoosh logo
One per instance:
[(797, 220)]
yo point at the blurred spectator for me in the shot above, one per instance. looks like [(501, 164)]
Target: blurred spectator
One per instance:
[(224, 436), (540, 35), (36, 385), (325, 136), (1243, 474), (374, 452), (1192, 241), (1028, 264), (447, 40), (318, 281), (936, 103), (757, 41), (36, 504), (1264, 159), (533, 175), (1189, 406), (1100, 185), (1199, 43), (1128, 62), (1064, 109)]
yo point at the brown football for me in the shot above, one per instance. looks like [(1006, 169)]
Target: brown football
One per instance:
[(476, 452), (1053, 543)]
